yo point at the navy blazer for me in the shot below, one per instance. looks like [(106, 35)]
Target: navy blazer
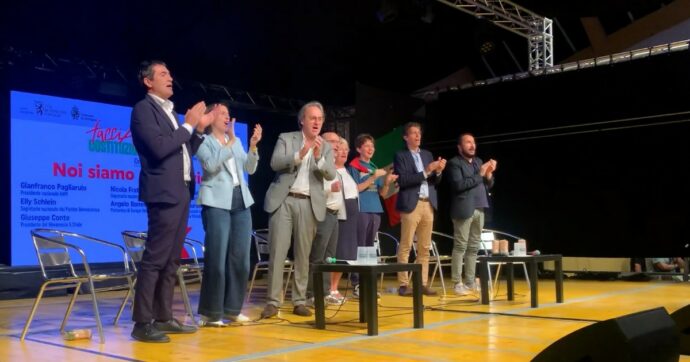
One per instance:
[(410, 181), (159, 146), (464, 182)]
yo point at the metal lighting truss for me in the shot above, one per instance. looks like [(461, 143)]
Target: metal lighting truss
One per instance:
[(537, 29), (604, 60)]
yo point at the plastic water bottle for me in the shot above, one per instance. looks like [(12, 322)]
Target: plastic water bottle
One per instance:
[(76, 334)]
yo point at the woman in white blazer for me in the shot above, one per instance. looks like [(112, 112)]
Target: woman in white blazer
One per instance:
[(225, 200)]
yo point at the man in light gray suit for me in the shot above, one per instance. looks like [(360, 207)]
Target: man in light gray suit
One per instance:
[(296, 201)]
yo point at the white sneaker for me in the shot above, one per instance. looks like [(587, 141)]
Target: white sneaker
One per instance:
[(461, 289), (206, 322), (335, 298), (240, 318), (474, 288)]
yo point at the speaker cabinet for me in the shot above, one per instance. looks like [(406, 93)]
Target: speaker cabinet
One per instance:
[(682, 319), (649, 335)]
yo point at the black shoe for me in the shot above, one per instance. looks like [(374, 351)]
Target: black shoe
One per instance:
[(269, 311), (428, 291), (301, 310), (173, 326), (147, 332), (404, 291)]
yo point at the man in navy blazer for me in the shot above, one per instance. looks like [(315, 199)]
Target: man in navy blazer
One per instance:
[(166, 186), (418, 175), (470, 181)]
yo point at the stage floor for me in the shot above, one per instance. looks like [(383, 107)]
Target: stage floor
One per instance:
[(458, 329)]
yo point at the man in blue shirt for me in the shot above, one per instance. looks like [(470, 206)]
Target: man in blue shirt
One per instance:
[(418, 174)]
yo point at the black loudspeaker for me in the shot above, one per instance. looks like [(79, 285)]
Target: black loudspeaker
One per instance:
[(682, 319), (649, 335)]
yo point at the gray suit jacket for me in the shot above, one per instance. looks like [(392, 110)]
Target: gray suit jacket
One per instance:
[(283, 163), (464, 182)]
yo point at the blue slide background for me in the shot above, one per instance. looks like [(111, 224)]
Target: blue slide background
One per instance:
[(52, 139)]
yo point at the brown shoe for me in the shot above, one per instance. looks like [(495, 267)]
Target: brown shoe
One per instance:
[(302, 310), (404, 291), (428, 291), (269, 311)]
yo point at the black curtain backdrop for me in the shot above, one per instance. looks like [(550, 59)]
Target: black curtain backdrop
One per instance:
[(590, 163)]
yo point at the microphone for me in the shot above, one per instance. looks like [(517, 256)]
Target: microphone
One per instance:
[(534, 253), (331, 260)]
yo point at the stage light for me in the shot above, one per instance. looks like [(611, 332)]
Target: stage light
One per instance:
[(642, 53), (659, 49), (679, 45), (620, 57), (586, 63), (487, 47), (603, 60), (569, 66)]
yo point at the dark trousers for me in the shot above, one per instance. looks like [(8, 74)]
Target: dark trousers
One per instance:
[(368, 224), (167, 228)]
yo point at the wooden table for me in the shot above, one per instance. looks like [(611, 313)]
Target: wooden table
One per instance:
[(368, 306)]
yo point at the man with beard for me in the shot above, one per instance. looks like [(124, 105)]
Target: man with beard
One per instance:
[(470, 181)]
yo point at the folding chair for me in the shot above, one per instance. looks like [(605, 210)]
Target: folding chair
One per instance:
[(386, 249), (135, 242), (488, 236), (57, 268), (190, 271), (440, 260), (263, 248)]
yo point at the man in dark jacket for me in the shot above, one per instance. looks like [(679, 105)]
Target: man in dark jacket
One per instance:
[(166, 186), (418, 174), (470, 181)]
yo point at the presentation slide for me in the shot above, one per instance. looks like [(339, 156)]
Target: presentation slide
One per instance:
[(74, 168)]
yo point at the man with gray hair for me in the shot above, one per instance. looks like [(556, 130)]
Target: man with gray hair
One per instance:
[(296, 201)]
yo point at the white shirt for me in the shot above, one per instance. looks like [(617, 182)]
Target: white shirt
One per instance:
[(168, 107), (349, 184), (334, 200), (301, 184), (230, 164)]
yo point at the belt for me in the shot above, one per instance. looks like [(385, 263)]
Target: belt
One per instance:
[(424, 199), (331, 211), (298, 196)]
